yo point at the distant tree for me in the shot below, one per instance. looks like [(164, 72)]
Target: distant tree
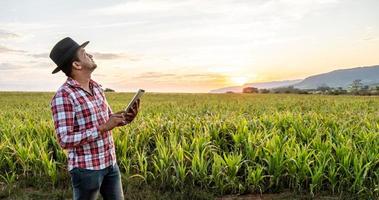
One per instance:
[(302, 92), (340, 90), (323, 88), (365, 90), (336, 91), (250, 90), (376, 90), (289, 90), (108, 90), (264, 91), (355, 86), (229, 92), (366, 87)]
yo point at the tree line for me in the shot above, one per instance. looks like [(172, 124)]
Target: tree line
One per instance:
[(355, 88)]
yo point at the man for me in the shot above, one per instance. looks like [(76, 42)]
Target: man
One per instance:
[(83, 123)]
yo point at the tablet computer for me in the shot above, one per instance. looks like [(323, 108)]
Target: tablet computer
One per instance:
[(135, 98)]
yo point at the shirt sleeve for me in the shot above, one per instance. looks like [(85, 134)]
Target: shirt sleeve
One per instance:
[(110, 112), (63, 111), (109, 109)]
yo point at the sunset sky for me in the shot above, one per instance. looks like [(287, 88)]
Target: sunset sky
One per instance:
[(187, 45)]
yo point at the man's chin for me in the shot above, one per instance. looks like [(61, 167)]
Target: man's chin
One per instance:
[(93, 67)]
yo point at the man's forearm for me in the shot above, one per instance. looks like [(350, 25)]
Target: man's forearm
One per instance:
[(103, 128), (69, 139)]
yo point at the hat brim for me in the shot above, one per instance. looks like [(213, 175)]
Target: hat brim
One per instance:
[(84, 44), (58, 68)]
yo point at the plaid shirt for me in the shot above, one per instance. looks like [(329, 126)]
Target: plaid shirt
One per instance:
[(77, 115)]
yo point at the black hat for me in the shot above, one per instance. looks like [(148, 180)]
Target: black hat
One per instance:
[(64, 51)]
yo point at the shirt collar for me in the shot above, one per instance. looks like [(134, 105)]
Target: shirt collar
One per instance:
[(75, 83), (72, 82)]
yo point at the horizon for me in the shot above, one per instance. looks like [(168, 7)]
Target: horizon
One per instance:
[(187, 46), (213, 91)]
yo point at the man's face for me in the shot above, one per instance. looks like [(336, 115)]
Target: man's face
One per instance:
[(86, 60)]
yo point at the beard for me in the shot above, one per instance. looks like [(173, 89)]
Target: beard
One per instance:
[(91, 66), (94, 65)]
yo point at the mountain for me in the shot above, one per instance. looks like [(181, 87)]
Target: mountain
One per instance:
[(260, 85), (369, 75), (342, 78)]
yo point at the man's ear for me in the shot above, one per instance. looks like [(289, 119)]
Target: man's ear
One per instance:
[(76, 65)]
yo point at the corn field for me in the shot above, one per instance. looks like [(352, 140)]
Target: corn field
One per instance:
[(222, 143)]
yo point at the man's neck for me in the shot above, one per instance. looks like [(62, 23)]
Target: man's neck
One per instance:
[(84, 81)]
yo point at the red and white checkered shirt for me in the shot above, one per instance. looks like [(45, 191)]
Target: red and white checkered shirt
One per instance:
[(77, 115)]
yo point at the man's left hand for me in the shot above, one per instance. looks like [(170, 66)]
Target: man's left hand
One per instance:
[(129, 117)]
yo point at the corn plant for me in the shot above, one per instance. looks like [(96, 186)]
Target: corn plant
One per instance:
[(222, 143)]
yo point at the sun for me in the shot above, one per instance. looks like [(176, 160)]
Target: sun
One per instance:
[(239, 80)]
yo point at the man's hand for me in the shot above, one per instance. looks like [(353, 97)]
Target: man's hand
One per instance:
[(115, 120), (129, 117), (120, 118)]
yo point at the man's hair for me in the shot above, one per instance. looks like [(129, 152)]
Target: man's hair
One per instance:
[(67, 69)]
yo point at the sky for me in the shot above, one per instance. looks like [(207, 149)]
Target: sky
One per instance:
[(186, 45)]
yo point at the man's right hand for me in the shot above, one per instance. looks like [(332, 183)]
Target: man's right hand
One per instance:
[(114, 121)]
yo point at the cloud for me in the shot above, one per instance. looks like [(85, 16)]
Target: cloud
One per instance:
[(155, 75), (116, 24), (370, 34), (146, 6), (371, 38), (39, 55), (7, 35), (9, 66), (186, 23), (168, 81), (223, 9), (110, 56), (167, 77), (27, 65), (4, 49), (97, 56), (21, 26)]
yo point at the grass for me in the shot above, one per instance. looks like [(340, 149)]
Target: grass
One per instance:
[(209, 145)]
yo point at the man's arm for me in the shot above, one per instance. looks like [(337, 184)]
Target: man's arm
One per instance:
[(63, 115), (109, 109)]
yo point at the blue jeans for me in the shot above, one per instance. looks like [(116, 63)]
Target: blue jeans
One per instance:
[(86, 183)]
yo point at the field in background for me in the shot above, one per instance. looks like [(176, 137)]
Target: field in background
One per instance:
[(209, 144)]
